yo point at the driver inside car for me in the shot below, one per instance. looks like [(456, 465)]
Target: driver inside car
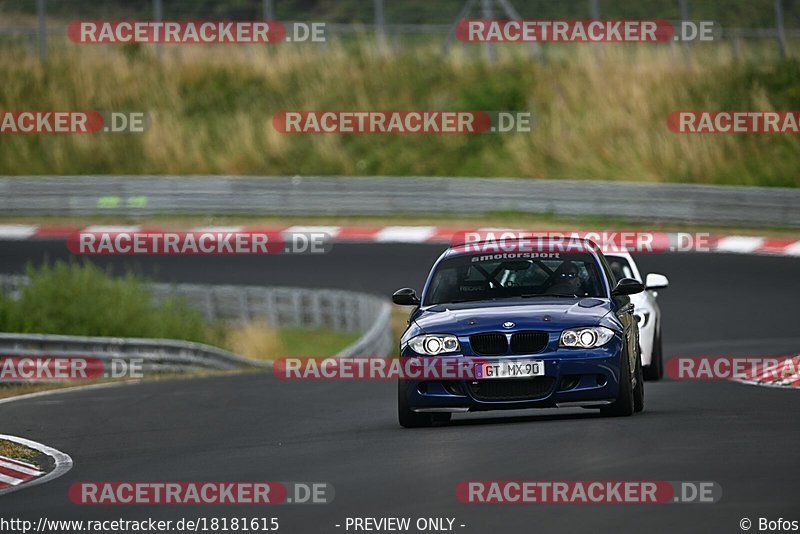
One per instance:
[(566, 281)]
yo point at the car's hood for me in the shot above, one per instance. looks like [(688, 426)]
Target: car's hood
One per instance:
[(541, 314)]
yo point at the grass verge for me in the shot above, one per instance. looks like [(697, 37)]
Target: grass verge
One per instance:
[(259, 341), (9, 449), (596, 116)]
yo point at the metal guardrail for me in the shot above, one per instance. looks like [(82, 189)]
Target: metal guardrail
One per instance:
[(287, 307), (280, 307), (139, 196), (155, 355)]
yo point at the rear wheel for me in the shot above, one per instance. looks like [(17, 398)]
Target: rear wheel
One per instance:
[(408, 418), (623, 406), (655, 371)]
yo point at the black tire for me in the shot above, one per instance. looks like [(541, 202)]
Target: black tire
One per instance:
[(638, 390), (411, 419), (655, 371), (623, 406)]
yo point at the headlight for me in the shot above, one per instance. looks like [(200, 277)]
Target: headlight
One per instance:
[(586, 338), (433, 344), (642, 318)]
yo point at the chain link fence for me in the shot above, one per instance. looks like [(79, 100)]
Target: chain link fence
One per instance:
[(395, 24)]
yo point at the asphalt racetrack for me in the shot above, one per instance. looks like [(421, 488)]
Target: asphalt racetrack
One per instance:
[(253, 427)]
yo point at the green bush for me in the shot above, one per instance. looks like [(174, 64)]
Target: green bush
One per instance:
[(82, 299)]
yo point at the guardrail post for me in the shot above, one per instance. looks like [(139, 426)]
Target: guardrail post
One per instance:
[(486, 11), (42, 32), (779, 28), (684, 6), (244, 310), (380, 26), (158, 15), (512, 14)]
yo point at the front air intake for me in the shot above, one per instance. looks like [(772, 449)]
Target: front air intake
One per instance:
[(530, 342), (489, 344)]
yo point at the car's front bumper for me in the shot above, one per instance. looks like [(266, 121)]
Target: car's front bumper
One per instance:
[(573, 377)]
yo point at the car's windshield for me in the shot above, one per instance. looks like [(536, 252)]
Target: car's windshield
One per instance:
[(468, 278)]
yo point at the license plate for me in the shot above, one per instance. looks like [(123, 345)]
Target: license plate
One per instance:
[(516, 369)]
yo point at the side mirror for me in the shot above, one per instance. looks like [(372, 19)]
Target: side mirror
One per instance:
[(656, 281), (405, 297), (628, 286)]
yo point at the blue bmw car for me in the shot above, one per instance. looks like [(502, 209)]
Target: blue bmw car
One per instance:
[(545, 329)]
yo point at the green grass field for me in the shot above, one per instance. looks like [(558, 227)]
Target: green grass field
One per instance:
[(599, 114)]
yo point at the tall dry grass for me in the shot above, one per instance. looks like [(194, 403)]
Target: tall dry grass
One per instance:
[(258, 340), (600, 112)]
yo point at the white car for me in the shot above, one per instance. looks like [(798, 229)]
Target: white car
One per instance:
[(646, 310)]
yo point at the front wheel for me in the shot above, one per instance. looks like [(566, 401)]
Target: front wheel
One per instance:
[(624, 405), (408, 418)]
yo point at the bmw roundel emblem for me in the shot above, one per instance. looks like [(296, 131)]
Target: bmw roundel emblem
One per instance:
[(508, 324)]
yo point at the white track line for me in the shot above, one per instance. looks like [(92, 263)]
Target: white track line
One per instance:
[(405, 234), (332, 231), (111, 229), (739, 243), (17, 231)]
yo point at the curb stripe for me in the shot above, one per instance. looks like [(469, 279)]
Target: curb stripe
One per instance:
[(771, 375), (63, 463), (376, 234), (10, 468), (13, 473), (17, 231), (6, 481), (18, 462), (405, 234), (741, 244)]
